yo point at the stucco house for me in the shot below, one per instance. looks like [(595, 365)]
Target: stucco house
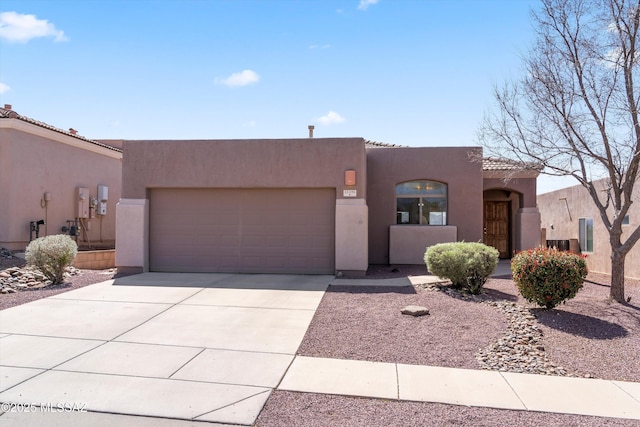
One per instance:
[(569, 214), (312, 205), (54, 181)]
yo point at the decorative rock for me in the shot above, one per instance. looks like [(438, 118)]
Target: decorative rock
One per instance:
[(5, 253), (521, 349), (18, 279), (415, 310)]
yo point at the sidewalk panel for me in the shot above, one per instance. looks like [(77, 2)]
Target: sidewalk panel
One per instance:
[(579, 396), (344, 377), (456, 386)]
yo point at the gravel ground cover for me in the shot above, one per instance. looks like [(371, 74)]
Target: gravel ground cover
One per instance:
[(589, 336), (289, 409)]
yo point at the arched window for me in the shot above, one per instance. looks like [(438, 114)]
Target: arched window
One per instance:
[(421, 202)]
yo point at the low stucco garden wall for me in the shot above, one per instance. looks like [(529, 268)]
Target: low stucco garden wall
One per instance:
[(408, 243), (95, 260)]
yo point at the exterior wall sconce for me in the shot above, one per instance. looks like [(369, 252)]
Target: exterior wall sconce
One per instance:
[(350, 177)]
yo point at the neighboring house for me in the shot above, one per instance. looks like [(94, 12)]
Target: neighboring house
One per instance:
[(56, 177), (570, 214), (315, 206)]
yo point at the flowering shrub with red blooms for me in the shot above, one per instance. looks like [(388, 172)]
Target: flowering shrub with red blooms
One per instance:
[(548, 277)]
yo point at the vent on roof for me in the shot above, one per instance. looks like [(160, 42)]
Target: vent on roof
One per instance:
[(72, 131), (7, 107), (311, 128)]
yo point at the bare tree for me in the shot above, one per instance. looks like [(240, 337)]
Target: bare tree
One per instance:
[(575, 110)]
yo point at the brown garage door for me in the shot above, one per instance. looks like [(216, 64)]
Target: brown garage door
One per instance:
[(242, 230)]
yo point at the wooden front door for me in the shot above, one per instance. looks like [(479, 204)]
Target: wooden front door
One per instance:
[(496, 226)]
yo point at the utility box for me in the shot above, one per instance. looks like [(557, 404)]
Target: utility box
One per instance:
[(83, 203), (103, 197)]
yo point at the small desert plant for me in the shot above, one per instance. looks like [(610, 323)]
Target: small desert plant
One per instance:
[(467, 265), (52, 255), (548, 277)]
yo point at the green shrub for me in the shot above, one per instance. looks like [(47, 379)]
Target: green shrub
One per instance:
[(548, 277), (52, 255), (467, 265)]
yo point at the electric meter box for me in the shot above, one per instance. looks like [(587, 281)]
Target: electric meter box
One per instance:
[(103, 193), (83, 202), (103, 196)]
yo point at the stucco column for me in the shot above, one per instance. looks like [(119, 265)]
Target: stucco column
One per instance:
[(352, 244), (529, 223), (132, 235)]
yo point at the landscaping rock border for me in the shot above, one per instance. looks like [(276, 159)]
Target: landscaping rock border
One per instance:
[(521, 349), (15, 279)]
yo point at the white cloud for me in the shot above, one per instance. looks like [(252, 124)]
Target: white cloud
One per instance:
[(364, 4), (250, 124), (16, 27), (243, 78), (331, 118), (4, 88), (319, 46)]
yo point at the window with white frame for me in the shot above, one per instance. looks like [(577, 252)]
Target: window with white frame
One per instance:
[(421, 202), (585, 234)]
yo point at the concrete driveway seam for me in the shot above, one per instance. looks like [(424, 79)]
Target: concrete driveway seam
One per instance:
[(187, 362), (514, 391), (630, 388), (156, 315), (231, 404)]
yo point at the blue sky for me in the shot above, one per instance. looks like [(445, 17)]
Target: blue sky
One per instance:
[(409, 72)]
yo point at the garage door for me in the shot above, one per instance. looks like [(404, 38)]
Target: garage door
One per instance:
[(242, 230)]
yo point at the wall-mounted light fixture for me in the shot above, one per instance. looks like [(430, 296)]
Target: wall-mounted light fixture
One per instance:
[(350, 177)]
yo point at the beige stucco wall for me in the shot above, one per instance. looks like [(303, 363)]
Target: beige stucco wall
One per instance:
[(451, 165), (269, 163), (565, 215), (408, 243), (35, 160), (132, 244), (286, 163), (352, 218), (528, 232)]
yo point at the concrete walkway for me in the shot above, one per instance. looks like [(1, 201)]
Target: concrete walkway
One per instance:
[(490, 389), (183, 349)]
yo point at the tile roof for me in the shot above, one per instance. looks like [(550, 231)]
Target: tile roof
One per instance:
[(6, 113), (502, 164), (376, 144)]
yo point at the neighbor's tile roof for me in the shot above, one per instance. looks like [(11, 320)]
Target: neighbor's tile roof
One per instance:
[(376, 144), (11, 114), (495, 164)]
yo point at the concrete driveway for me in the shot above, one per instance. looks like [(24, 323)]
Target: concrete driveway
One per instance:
[(202, 347)]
